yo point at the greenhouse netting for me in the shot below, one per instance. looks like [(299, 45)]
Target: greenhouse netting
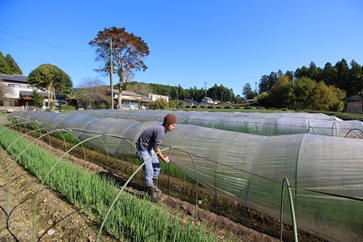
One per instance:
[(325, 173), (269, 124)]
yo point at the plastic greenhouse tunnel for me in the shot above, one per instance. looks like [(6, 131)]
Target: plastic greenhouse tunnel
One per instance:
[(268, 124), (324, 167)]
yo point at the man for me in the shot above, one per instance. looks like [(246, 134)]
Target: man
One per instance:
[(147, 145)]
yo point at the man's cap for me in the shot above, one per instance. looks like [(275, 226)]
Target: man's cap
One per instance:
[(170, 119)]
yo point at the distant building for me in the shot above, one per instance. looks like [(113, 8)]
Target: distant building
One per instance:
[(206, 101), (353, 104), (190, 102), (130, 99), (155, 97), (19, 97)]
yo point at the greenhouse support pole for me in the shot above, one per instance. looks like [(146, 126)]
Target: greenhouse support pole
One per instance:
[(291, 208)]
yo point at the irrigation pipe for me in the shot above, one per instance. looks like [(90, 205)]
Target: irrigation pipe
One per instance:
[(114, 201), (291, 208)]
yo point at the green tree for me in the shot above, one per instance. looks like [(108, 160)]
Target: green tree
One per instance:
[(315, 72), (303, 72), (181, 104), (356, 78), (263, 85), (247, 91), (313, 95), (280, 95), (51, 79), (327, 98), (15, 69), (343, 76), (4, 67), (38, 99), (329, 74), (304, 92), (128, 53)]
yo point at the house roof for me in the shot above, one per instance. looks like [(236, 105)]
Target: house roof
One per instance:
[(130, 93), (14, 77), (353, 98), (191, 101), (28, 93), (123, 92)]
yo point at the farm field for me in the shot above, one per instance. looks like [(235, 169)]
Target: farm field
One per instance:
[(60, 219), (184, 190)]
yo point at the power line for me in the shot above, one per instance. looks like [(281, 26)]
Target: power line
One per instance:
[(43, 42), (42, 52)]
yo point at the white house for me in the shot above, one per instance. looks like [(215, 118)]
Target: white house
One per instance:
[(206, 101), (130, 99), (18, 97), (154, 97)]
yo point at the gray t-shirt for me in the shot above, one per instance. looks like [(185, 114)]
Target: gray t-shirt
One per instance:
[(151, 138)]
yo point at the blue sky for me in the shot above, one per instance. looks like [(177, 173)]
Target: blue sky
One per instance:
[(230, 42)]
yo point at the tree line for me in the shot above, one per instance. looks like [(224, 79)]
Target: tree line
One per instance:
[(340, 75), (216, 92), (312, 87)]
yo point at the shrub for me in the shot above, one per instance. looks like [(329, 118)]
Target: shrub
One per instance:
[(227, 107), (194, 106), (158, 104), (219, 107), (66, 109), (210, 107)]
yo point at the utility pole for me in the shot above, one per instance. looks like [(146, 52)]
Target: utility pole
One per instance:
[(205, 93), (293, 92), (231, 96), (111, 74), (177, 97)]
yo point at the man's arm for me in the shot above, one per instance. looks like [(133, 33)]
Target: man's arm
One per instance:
[(164, 158)]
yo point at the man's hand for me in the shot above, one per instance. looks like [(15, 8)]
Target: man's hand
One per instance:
[(165, 159)]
